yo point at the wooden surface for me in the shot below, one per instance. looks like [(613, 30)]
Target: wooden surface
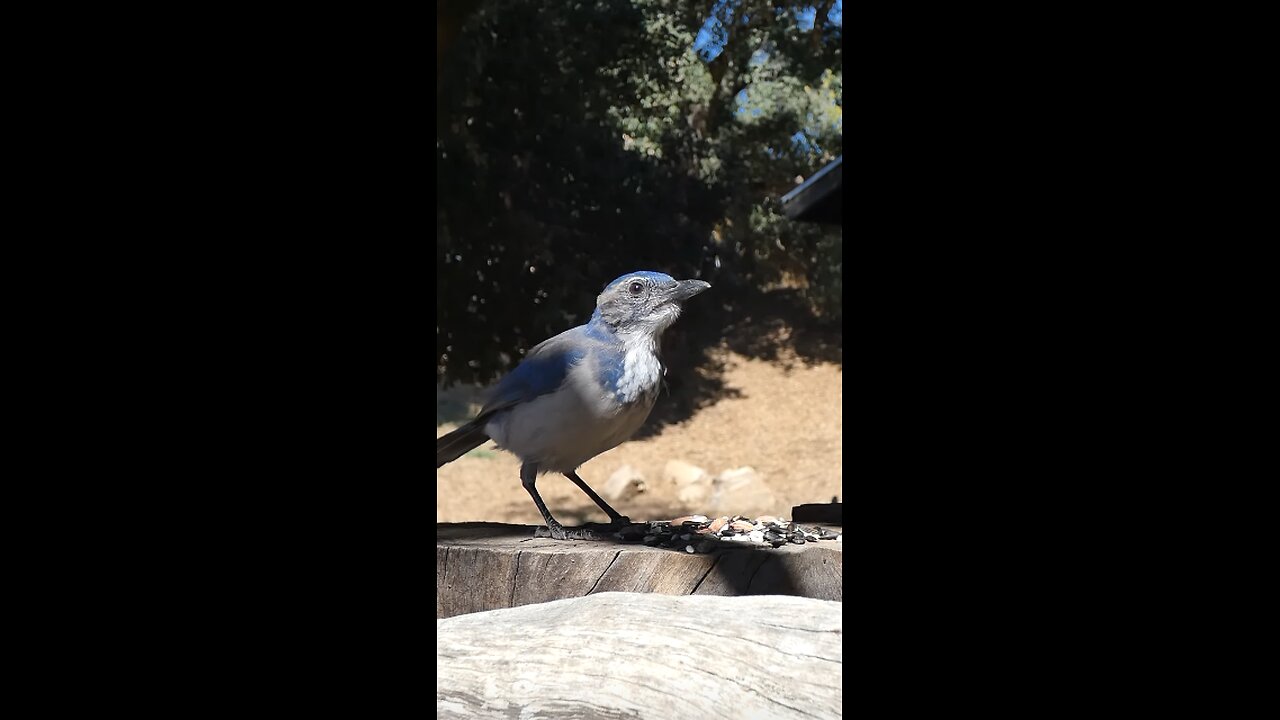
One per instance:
[(486, 566), (826, 513), (644, 655)]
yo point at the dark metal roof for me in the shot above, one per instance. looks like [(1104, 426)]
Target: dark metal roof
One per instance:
[(818, 198)]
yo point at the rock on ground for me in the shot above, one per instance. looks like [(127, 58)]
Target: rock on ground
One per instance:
[(625, 483), (692, 483), (742, 492)]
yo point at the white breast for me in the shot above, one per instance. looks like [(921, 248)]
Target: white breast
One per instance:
[(563, 429), (641, 373)]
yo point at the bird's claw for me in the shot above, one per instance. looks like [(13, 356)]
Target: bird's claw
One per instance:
[(559, 532)]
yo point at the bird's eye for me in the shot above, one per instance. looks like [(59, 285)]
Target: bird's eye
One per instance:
[(636, 288)]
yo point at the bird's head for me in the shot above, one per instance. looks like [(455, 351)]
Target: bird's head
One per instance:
[(644, 302)]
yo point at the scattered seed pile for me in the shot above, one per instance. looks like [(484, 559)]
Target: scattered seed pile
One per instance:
[(700, 534)]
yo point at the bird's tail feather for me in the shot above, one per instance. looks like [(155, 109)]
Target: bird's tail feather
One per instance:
[(454, 445)]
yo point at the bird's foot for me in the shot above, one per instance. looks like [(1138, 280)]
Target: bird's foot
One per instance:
[(590, 531)]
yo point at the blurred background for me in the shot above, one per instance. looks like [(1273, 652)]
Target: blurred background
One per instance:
[(577, 141)]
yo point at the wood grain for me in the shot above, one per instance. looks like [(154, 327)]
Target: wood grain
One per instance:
[(487, 566), (644, 655)]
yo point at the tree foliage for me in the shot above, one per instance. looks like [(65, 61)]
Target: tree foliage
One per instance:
[(577, 141)]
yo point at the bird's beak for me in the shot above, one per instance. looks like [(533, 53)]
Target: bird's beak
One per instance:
[(686, 289)]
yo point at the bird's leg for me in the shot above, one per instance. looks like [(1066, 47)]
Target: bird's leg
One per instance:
[(529, 475), (615, 518)]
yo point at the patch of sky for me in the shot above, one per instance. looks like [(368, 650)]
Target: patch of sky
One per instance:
[(802, 141), (804, 17), (713, 35), (742, 103)]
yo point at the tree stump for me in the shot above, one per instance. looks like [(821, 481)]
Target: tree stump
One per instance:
[(487, 566)]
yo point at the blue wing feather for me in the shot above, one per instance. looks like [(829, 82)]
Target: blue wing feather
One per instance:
[(542, 371)]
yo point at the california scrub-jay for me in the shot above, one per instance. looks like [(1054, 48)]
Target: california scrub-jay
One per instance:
[(581, 392)]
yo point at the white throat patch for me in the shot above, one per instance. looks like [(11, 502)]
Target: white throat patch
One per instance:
[(641, 370)]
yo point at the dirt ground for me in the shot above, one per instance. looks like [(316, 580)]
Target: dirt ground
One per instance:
[(784, 421)]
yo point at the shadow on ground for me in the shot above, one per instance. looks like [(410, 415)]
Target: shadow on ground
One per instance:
[(777, 326)]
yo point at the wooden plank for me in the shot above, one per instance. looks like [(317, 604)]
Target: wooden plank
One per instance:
[(644, 655), (475, 579), (827, 513), (486, 566), (649, 570), (550, 575), (442, 564), (815, 574), (732, 574)]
